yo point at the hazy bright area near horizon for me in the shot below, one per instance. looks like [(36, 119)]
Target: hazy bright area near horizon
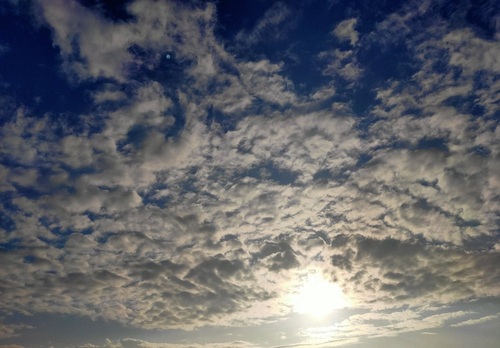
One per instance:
[(249, 174)]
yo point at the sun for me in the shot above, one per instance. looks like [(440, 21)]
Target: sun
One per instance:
[(318, 297)]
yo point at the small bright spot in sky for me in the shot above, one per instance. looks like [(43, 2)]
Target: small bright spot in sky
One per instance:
[(318, 297), (167, 56)]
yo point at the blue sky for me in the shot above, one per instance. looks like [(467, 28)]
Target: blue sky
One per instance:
[(249, 174)]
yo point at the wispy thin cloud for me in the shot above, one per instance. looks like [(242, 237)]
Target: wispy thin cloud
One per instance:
[(272, 25), (471, 322)]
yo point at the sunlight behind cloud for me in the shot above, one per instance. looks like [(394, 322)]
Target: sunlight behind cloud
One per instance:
[(318, 297)]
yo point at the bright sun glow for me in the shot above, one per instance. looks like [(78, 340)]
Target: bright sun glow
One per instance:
[(318, 297)]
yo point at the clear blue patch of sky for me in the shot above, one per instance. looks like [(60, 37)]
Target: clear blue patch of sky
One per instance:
[(103, 238), (382, 63), (115, 10), (96, 216), (61, 234), (303, 39), (169, 72), (233, 16), (57, 242), (326, 175), (466, 104), (227, 122), (31, 69), (481, 151), (177, 112), (6, 222), (477, 14), (133, 139), (6, 199), (149, 197), (432, 143), (28, 191), (11, 244), (271, 172), (29, 259)]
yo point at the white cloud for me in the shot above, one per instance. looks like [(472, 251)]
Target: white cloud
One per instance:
[(101, 46), (94, 47), (135, 343), (345, 31), (21, 138), (108, 95), (263, 80), (476, 321), (342, 64), (471, 52)]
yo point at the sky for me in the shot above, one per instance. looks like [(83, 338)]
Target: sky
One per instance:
[(249, 174)]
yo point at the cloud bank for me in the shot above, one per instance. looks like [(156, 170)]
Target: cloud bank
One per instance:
[(199, 191)]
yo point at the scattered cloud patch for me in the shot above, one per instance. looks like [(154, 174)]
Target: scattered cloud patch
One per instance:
[(345, 31)]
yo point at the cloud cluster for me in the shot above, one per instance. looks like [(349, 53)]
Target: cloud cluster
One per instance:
[(134, 343), (200, 200)]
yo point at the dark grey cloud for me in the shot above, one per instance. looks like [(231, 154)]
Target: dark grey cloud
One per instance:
[(401, 271)]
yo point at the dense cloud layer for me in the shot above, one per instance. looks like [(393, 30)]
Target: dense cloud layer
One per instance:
[(203, 190)]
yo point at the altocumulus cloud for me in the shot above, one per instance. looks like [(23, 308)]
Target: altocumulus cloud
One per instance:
[(193, 191)]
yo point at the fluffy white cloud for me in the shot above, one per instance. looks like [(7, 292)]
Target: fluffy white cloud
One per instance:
[(345, 30)]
